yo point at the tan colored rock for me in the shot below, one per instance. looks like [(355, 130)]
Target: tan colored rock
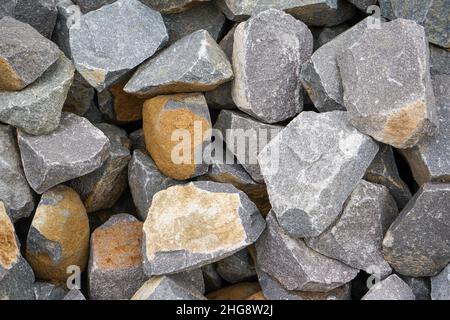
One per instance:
[(257, 296), (9, 250), (59, 235), (239, 291)]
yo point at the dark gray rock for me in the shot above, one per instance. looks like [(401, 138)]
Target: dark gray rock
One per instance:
[(327, 34), (91, 5), (211, 278), (272, 46), (439, 60), (48, 291), (74, 294), (236, 268), (391, 288), (172, 6), (75, 149), (69, 14), (137, 139), (363, 4), (421, 287), (440, 285), (81, 96), (193, 277)]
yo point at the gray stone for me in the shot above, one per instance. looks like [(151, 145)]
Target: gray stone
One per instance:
[(272, 46), (193, 225), (201, 65), (80, 97), (357, 235), (205, 16), (145, 181), (418, 242), (421, 287), (193, 277), (37, 108), (363, 4), (115, 264), (439, 60), (15, 193), (320, 74), (91, 5), (75, 149), (391, 288), (137, 139), (102, 188), (297, 267), (383, 170), (311, 167), (48, 291), (68, 15), (440, 285), (405, 113), (74, 294), (313, 12), (429, 160), (211, 278), (172, 6), (236, 268), (246, 138), (40, 14), (327, 34), (24, 54), (386, 9), (111, 41)]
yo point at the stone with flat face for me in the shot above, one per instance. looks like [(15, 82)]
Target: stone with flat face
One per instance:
[(201, 65), (418, 242), (81, 148), (440, 285), (405, 113), (311, 167), (276, 44), (202, 222), (172, 6), (113, 40), (391, 288), (236, 268), (81, 97)]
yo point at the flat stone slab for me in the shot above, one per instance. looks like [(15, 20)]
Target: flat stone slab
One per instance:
[(193, 225), (45, 168), (391, 288), (236, 268), (440, 285), (417, 243), (37, 108), (111, 41), (305, 197), (273, 43), (201, 65), (172, 6), (405, 113)]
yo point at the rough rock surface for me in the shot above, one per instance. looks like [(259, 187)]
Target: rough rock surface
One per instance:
[(111, 41), (74, 294), (236, 268), (440, 285), (276, 44), (327, 34), (439, 60), (172, 6), (311, 167), (202, 222), (201, 65), (68, 15), (81, 148), (59, 235), (212, 279), (363, 4), (421, 287), (137, 139), (391, 288), (417, 244), (91, 5), (48, 291), (81, 96), (238, 291), (405, 113)]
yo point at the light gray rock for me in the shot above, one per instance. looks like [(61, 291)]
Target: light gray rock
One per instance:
[(421, 287), (75, 149), (246, 138), (429, 160), (15, 193), (202, 222), (201, 65), (311, 167), (439, 60), (111, 41), (81, 96), (102, 188), (236, 268), (313, 12), (91, 5), (296, 266), (24, 54), (145, 180), (272, 46), (383, 170), (405, 113), (48, 291), (172, 6), (440, 285), (391, 288), (37, 108), (211, 278), (418, 242), (74, 294), (68, 15)]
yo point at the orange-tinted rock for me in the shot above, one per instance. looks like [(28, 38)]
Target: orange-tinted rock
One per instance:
[(257, 296), (240, 291)]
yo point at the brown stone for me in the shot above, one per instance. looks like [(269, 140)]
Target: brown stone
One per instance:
[(257, 296), (239, 291), (9, 250)]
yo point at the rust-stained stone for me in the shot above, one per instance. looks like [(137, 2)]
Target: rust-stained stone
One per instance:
[(239, 291), (9, 248)]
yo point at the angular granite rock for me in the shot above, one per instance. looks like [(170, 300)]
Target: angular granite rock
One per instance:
[(15, 193), (356, 237), (75, 149), (421, 287), (37, 108), (172, 6), (16, 276), (68, 15), (102, 188), (398, 66), (193, 225), (58, 236), (276, 44), (192, 64), (238, 291), (297, 267), (48, 291), (429, 160), (145, 181), (311, 167), (391, 288), (40, 14), (383, 170), (312, 12), (115, 263), (91, 5), (320, 74), (74, 294), (177, 128), (418, 242), (24, 54), (236, 268), (439, 60), (440, 285), (111, 41)]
